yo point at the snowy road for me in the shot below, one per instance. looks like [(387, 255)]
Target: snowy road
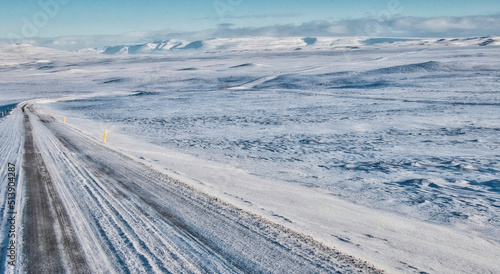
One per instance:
[(113, 214)]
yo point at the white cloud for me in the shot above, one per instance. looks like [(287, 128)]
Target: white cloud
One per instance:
[(338, 29), (446, 24)]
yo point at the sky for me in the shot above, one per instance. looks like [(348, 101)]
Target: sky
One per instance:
[(55, 18)]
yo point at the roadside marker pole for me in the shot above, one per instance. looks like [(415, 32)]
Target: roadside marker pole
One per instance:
[(105, 135)]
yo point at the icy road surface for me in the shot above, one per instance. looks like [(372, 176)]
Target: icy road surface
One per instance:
[(92, 210)]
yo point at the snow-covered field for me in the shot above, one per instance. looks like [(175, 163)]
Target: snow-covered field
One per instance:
[(398, 142)]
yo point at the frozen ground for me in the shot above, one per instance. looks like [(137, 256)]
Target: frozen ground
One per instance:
[(405, 131)]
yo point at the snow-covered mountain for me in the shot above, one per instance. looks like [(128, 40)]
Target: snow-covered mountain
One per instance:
[(289, 43)]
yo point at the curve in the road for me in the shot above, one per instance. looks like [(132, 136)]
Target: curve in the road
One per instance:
[(145, 221)]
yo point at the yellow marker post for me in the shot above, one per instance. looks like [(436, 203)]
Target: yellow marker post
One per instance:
[(105, 135), (65, 119)]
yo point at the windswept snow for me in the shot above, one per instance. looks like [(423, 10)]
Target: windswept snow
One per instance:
[(385, 150)]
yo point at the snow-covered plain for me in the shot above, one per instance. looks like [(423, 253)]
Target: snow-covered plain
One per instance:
[(387, 151)]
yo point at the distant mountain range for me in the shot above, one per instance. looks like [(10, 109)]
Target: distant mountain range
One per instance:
[(291, 43)]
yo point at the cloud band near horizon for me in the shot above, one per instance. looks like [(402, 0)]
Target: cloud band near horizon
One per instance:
[(378, 27)]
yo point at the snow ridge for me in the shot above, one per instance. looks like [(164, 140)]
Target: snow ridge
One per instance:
[(290, 44)]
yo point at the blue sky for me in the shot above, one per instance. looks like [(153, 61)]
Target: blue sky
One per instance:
[(90, 17)]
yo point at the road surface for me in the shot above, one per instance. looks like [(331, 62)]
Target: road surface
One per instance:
[(91, 209)]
